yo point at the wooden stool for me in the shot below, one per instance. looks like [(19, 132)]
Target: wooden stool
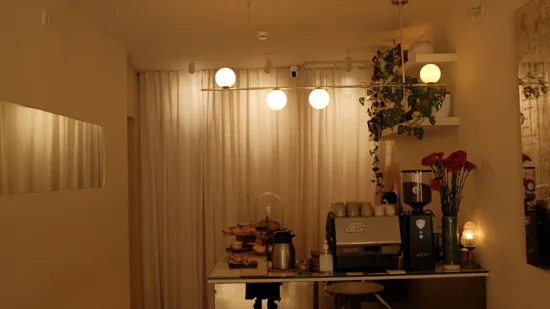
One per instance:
[(352, 293)]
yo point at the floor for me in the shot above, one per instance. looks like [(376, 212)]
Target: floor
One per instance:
[(293, 296), (400, 294)]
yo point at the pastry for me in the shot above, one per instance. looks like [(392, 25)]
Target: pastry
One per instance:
[(259, 249), (249, 230), (237, 231), (270, 225), (228, 230)]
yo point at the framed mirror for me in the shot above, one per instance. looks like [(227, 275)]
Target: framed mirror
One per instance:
[(42, 151), (533, 48)]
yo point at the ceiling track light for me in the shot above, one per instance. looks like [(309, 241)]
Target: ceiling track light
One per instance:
[(348, 64), (319, 98), (399, 2), (268, 66)]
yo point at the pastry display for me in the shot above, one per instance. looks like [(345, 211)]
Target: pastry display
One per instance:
[(241, 261), (262, 250), (247, 230), (237, 245), (270, 225)]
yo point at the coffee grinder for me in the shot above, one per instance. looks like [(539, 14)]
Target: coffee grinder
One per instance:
[(417, 232)]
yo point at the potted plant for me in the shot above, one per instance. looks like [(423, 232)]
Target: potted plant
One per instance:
[(450, 175), (388, 93)]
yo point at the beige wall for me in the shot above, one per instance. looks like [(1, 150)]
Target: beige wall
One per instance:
[(65, 249), (485, 96), (486, 87)]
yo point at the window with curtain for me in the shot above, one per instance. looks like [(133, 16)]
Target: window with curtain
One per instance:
[(207, 156)]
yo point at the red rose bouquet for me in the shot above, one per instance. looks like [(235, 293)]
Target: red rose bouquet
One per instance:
[(450, 176)]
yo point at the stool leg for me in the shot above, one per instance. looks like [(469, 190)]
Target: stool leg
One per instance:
[(382, 301)]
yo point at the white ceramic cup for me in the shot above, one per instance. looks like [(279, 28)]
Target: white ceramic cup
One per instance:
[(366, 209), (379, 211), (389, 210), (339, 209), (352, 209)]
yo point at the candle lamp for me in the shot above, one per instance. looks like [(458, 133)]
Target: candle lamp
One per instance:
[(469, 241)]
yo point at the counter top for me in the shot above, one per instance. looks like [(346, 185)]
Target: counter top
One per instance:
[(223, 274)]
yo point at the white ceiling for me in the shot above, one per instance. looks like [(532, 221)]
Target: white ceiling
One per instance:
[(167, 34)]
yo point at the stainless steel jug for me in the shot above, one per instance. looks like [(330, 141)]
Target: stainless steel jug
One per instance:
[(283, 256)]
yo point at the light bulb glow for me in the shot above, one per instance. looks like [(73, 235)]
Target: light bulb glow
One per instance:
[(225, 78), (276, 99), (319, 98), (469, 237), (430, 74)]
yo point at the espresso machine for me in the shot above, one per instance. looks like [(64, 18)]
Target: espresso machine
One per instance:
[(417, 230), (366, 244)]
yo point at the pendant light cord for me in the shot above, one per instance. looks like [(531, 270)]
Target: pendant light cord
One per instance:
[(401, 40)]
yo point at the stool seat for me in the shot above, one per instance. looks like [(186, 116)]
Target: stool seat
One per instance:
[(354, 288)]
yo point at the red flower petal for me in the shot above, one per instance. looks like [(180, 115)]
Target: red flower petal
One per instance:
[(436, 184)]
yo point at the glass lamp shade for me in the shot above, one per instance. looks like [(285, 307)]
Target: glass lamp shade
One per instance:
[(430, 74), (469, 235), (276, 100), (319, 98), (225, 78)]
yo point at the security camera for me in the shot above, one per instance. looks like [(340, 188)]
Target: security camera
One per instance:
[(293, 71)]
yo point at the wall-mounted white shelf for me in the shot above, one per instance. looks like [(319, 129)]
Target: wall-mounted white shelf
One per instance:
[(440, 122), (416, 61)]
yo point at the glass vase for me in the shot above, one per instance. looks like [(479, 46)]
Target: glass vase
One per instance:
[(451, 257)]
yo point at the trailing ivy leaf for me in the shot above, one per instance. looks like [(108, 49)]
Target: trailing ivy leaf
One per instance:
[(411, 100), (375, 169), (399, 94), (400, 129), (379, 175), (418, 132), (432, 120), (362, 101)]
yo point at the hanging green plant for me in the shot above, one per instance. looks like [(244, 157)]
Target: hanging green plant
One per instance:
[(387, 110), (533, 88)]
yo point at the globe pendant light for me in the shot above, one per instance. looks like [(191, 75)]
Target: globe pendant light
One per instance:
[(276, 99), (430, 74), (225, 78), (319, 98)]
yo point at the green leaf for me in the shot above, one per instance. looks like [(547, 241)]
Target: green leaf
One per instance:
[(418, 132), (432, 120), (400, 129), (376, 169), (379, 175), (362, 101)]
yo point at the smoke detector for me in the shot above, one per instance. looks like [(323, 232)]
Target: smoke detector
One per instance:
[(262, 35)]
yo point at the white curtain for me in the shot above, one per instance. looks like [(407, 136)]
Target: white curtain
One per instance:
[(207, 156), (41, 151)]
